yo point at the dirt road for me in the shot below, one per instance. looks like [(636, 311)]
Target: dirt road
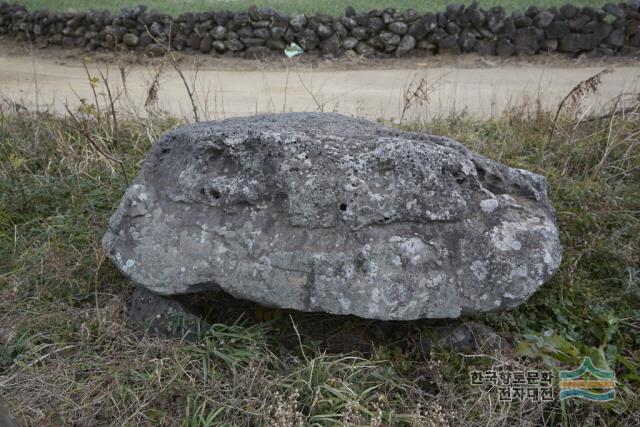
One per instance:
[(482, 89)]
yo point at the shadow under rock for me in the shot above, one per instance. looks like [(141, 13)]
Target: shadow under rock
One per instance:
[(189, 316)]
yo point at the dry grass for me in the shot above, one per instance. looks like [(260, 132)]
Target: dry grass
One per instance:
[(68, 355)]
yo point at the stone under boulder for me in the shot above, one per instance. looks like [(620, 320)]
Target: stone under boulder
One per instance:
[(323, 212), (6, 419)]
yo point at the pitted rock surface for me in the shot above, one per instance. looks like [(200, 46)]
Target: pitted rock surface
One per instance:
[(322, 212)]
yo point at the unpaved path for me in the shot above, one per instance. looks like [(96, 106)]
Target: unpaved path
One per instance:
[(481, 89)]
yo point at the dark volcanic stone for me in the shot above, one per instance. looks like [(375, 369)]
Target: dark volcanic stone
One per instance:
[(410, 15), (340, 29), (579, 22), (131, 40), (452, 28), (324, 31), (349, 43), (218, 32), (245, 31), (164, 316), (349, 23), (471, 337), (543, 19), (476, 16), (308, 39), (557, 30), (614, 10), (569, 11), (616, 39), (360, 33), (250, 42), (145, 39), (550, 45), (430, 21), (522, 21), (298, 23), (418, 30), (495, 23), (388, 37), (448, 42), (601, 30), (467, 40), (504, 47), (532, 11), (454, 9), (289, 35), (256, 52), (406, 45), (154, 50), (485, 47), (526, 41), (262, 33), (508, 27), (206, 44), (364, 49), (233, 45), (194, 42), (375, 25), (331, 45), (275, 44), (399, 28), (426, 45), (574, 43), (219, 46), (377, 43), (231, 35)]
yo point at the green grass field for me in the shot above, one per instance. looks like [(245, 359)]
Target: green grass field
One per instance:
[(69, 356), (334, 7)]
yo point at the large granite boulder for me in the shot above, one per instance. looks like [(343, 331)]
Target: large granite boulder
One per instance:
[(322, 212)]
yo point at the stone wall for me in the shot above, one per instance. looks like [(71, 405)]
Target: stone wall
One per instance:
[(611, 29)]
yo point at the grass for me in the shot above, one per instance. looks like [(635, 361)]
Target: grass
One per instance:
[(333, 7), (68, 355)]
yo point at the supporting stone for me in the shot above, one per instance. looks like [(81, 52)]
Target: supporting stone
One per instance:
[(164, 316), (463, 338), (6, 419)]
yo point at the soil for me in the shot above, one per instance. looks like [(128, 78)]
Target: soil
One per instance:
[(421, 87)]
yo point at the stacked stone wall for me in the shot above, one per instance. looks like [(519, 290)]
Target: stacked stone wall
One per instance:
[(611, 29)]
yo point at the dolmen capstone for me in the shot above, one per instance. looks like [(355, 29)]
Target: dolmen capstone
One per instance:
[(323, 212)]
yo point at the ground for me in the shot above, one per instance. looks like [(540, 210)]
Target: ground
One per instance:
[(375, 89), (334, 7), (69, 355)]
